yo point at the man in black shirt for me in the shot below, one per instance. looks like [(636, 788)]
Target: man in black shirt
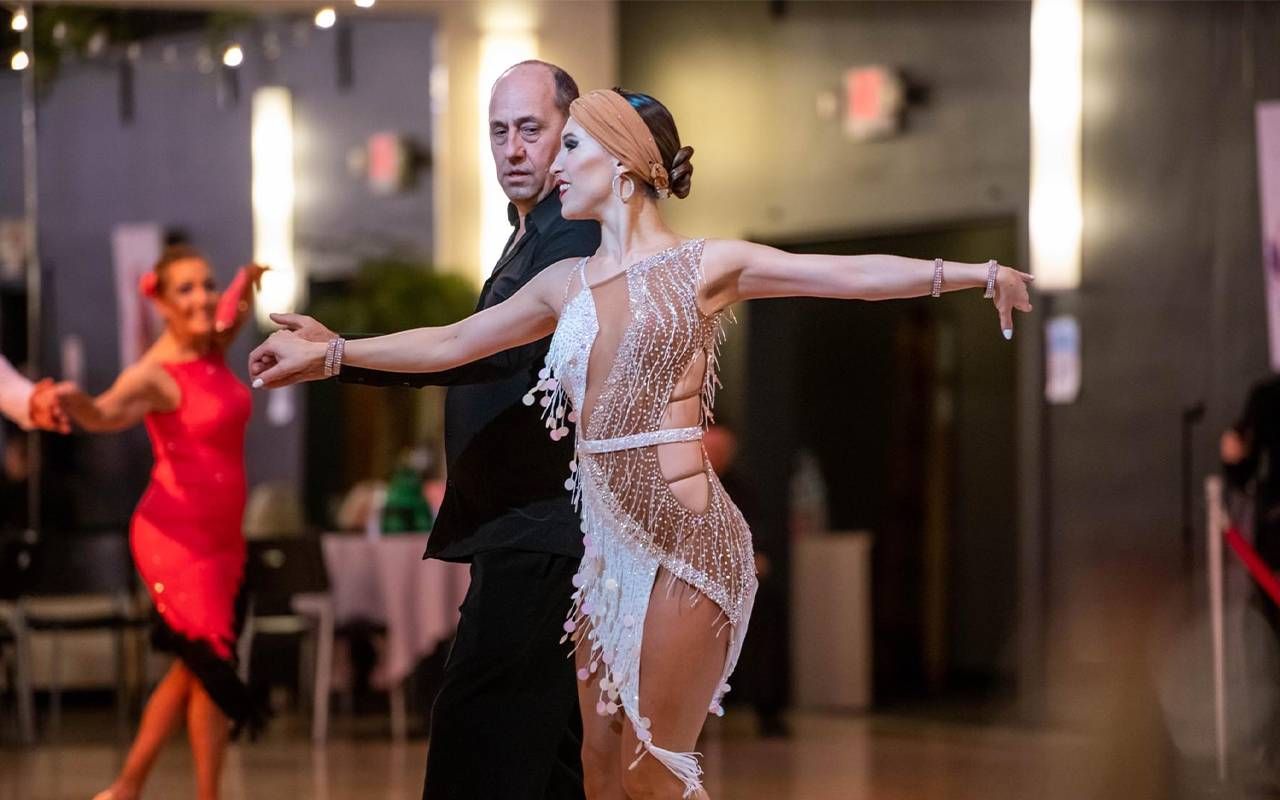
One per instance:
[(505, 725), (1251, 459), (1251, 452)]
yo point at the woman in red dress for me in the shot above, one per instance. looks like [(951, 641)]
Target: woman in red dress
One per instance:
[(186, 532)]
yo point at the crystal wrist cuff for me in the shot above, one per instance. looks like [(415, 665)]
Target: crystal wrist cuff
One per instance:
[(992, 269), (333, 356)]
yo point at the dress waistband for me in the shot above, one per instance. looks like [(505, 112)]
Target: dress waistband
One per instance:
[(643, 439)]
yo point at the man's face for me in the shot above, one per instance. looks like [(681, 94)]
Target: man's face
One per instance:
[(524, 132)]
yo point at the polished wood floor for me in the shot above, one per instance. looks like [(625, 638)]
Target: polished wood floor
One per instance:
[(827, 756)]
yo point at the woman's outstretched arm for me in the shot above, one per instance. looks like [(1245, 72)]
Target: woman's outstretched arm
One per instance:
[(530, 314), (236, 303), (134, 395), (736, 270)]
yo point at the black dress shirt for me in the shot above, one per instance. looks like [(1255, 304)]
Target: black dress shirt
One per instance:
[(506, 478)]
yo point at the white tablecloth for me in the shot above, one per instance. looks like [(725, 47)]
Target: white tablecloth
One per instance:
[(385, 581)]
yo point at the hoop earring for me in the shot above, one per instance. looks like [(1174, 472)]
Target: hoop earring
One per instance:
[(631, 188)]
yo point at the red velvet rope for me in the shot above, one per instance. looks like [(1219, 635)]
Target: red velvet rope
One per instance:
[(1258, 568)]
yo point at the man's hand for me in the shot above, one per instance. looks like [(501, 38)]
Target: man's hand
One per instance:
[(306, 327), (46, 411), (286, 358)]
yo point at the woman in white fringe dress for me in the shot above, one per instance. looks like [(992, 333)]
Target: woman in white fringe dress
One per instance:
[(665, 589)]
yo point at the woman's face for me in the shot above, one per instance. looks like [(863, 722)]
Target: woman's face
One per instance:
[(190, 298), (584, 173)]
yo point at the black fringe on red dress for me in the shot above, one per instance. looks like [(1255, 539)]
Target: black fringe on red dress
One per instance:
[(218, 676)]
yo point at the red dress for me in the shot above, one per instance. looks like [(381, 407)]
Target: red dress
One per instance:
[(186, 533)]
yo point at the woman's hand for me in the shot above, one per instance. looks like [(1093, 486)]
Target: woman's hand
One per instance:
[(300, 326), (1011, 293), (286, 358), (65, 396), (254, 273), (47, 412)]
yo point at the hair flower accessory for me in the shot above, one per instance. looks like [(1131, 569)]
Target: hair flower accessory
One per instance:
[(148, 284), (659, 179)]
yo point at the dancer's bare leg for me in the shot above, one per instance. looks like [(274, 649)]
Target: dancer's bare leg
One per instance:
[(681, 663), (601, 736), (166, 709), (208, 729)]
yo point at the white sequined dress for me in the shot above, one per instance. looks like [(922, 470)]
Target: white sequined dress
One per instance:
[(638, 336)]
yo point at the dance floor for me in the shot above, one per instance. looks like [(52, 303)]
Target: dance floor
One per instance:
[(846, 757)]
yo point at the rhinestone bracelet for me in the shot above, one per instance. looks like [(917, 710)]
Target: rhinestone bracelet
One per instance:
[(329, 351), (992, 269), (937, 278), (339, 349)]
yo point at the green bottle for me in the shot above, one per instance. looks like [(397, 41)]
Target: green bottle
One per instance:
[(406, 510)]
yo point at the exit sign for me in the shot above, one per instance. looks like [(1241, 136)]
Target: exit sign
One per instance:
[(874, 98)]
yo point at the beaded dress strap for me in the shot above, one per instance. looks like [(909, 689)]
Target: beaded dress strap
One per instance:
[(582, 276)]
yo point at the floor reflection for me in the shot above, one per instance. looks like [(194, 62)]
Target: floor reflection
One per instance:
[(844, 757)]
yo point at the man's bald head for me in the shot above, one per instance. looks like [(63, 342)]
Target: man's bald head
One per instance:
[(566, 88)]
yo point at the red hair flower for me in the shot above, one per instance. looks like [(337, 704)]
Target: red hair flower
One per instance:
[(148, 284)]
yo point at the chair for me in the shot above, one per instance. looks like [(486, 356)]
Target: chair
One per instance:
[(75, 565), (273, 511), (18, 553), (289, 594)]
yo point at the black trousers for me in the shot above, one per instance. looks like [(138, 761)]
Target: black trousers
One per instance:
[(505, 725), (762, 674)]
